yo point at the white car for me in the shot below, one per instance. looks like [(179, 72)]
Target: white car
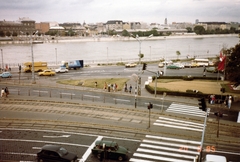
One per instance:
[(129, 65), (61, 70)]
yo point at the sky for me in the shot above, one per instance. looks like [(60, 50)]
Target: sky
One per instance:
[(95, 11)]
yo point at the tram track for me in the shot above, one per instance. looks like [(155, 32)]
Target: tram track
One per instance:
[(102, 112)]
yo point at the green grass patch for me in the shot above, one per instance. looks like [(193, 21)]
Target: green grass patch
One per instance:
[(100, 82)]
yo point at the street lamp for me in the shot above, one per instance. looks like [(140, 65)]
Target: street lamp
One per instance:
[(140, 56), (2, 59), (33, 76), (56, 55), (107, 55)]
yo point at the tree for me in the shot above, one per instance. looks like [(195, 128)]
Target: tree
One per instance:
[(189, 29), (125, 33), (178, 54), (199, 30), (233, 64)]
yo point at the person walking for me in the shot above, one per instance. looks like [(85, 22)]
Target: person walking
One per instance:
[(6, 91), (229, 101), (2, 92), (125, 87), (130, 89)]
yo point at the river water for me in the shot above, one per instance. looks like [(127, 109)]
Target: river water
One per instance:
[(112, 50)]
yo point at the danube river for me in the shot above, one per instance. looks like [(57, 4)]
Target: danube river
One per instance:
[(116, 49)]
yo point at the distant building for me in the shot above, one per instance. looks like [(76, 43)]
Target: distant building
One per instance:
[(135, 25), (114, 25), (215, 25), (165, 21), (22, 26), (196, 21), (126, 25)]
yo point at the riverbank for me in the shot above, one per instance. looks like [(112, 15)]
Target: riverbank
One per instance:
[(49, 39)]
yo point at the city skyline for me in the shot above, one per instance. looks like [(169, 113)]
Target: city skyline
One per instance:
[(149, 11)]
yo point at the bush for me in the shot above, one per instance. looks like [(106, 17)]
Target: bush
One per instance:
[(189, 77)]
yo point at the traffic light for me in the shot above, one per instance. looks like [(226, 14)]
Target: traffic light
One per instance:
[(150, 105), (202, 104), (144, 66)]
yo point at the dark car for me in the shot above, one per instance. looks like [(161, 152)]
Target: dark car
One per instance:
[(109, 150), (56, 154)]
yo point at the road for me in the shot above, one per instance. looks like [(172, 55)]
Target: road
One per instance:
[(76, 122)]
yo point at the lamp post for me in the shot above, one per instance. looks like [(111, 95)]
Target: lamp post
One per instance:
[(150, 53), (33, 76), (107, 55), (140, 56), (2, 59), (56, 55)]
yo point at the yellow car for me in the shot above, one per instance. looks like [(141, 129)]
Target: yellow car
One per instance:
[(47, 72), (130, 64)]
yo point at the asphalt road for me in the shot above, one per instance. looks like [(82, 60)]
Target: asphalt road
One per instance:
[(172, 136)]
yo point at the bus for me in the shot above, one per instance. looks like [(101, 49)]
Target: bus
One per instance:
[(201, 62), (38, 66)]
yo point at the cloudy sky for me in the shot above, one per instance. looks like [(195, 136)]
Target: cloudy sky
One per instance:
[(149, 11)]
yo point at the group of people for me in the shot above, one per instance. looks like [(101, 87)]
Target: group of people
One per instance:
[(4, 92), (126, 89), (228, 100), (110, 87)]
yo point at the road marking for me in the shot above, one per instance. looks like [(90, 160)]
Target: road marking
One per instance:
[(89, 150), (67, 93), (121, 100), (40, 91), (38, 141), (139, 160), (173, 139), (158, 148), (61, 136), (91, 96), (158, 158), (185, 109)]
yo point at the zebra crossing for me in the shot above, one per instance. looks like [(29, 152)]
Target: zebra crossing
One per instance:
[(167, 149), (186, 110)]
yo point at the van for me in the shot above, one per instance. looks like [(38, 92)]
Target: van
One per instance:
[(215, 158)]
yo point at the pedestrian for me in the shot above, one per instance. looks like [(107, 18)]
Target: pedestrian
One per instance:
[(212, 99), (116, 86), (204, 71), (95, 84), (2, 92), (105, 86), (229, 102), (226, 101), (125, 87), (130, 89), (6, 91)]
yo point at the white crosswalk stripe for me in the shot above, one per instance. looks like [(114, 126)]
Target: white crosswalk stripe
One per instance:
[(165, 149), (158, 149), (179, 124), (186, 110)]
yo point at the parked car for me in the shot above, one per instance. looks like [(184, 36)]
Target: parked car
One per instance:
[(167, 62), (173, 66), (190, 65), (112, 150), (215, 158), (61, 70), (47, 73), (182, 66), (129, 65), (212, 69), (160, 65), (55, 153), (6, 75)]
